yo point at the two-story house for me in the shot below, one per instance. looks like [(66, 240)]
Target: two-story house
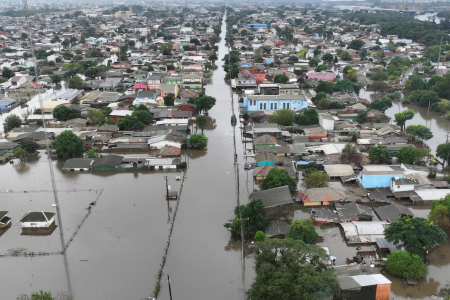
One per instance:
[(192, 81), (275, 102), (154, 81), (246, 80)]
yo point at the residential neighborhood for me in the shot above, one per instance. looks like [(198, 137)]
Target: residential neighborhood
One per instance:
[(225, 150)]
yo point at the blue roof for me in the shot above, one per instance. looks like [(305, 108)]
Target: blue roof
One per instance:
[(302, 163)]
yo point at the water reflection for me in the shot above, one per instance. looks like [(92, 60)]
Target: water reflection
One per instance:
[(211, 123)]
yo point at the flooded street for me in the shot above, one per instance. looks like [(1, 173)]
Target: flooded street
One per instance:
[(117, 251)]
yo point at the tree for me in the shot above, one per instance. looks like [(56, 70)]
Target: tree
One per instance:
[(130, 123), (328, 57), (197, 141), (381, 104), (283, 117), (379, 86), (205, 103), (428, 98), (169, 100), (307, 117), (325, 86), (281, 78), (361, 116), (313, 61), (29, 145), (278, 177), (143, 115), (316, 180), (91, 153), (419, 131), (75, 83), (345, 56), (303, 230), (350, 154), (96, 116), (440, 216), (11, 122), (443, 151), (260, 236), (68, 145), (402, 117), (290, 269), (343, 86), (379, 75), (356, 44), (321, 68), (201, 122), (7, 73), (406, 155), (20, 154), (293, 59), (416, 235), (406, 265), (379, 154), (64, 113), (166, 48), (55, 78), (252, 215), (41, 295)]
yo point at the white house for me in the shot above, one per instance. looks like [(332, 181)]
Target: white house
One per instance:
[(326, 121), (402, 184), (5, 221), (161, 163), (37, 219), (159, 142)]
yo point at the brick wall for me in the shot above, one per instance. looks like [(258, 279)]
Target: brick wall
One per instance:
[(383, 291)]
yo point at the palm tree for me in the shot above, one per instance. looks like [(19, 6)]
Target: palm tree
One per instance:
[(354, 134), (350, 154)]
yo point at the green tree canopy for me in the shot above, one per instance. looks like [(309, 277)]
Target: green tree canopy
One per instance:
[(402, 117), (379, 154), (260, 236), (201, 122), (75, 83), (419, 131), (326, 87), (307, 117), (197, 141), (20, 154), (253, 219), (328, 57), (130, 123), (283, 117), (356, 44), (68, 145), (143, 116), (303, 230), (316, 180), (415, 234), (350, 154), (205, 103), (343, 86), (380, 104), (289, 269), (345, 56), (440, 216), (278, 177), (281, 78), (406, 265), (64, 113), (169, 100), (166, 48), (11, 122), (406, 155)]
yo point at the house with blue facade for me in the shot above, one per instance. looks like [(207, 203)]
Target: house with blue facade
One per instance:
[(257, 25), (378, 179), (275, 102), (7, 103)]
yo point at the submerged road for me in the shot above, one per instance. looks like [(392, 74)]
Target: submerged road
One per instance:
[(203, 262)]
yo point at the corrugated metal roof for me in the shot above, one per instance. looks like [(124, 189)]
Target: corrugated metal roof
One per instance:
[(373, 279)]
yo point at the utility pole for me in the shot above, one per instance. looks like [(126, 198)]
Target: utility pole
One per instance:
[(439, 57), (167, 188), (170, 289)]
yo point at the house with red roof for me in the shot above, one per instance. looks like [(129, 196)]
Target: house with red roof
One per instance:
[(169, 151)]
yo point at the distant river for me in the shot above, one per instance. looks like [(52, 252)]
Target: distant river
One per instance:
[(425, 17)]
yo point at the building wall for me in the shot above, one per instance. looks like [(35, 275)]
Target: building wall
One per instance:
[(272, 105), (401, 188), (383, 291), (326, 123), (372, 181), (162, 144)]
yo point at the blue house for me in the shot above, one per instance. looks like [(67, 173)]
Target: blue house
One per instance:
[(6, 103), (275, 102), (375, 179), (257, 25)]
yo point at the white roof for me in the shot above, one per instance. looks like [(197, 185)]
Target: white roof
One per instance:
[(173, 121), (432, 194), (338, 170), (39, 117), (121, 113), (329, 149), (376, 168), (159, 161), (370, 279)]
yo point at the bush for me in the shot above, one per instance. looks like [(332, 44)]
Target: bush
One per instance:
[(405, 265), (260, 236), (303, 230)]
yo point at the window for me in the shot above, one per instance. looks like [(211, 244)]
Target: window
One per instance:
[(260, 106), (271, 105), (284, 105), (287, 105), (275, 105), (265, 107)]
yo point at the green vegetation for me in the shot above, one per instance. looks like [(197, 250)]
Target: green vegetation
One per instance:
[(379, 154), (350, 154), (307, 117), (260, 236), (11, 122), (402, 117), (303, 230), (130, 123), (64, 113), (406, 265), (380, 104), (443, 152), (197, 141), (283, 117), (201, 122), (416, 235), (290, 269), (440, 214), (316, 180), (420, 132), (252, 216), (68, 145), (279, 177)]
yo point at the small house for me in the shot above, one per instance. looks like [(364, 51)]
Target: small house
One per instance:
[(5, 221), (393, 212), (273, 197), (37, 221), (321, 196), (77, 165), (402, 184), (277, 229), (7, 103), (374, 179)]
